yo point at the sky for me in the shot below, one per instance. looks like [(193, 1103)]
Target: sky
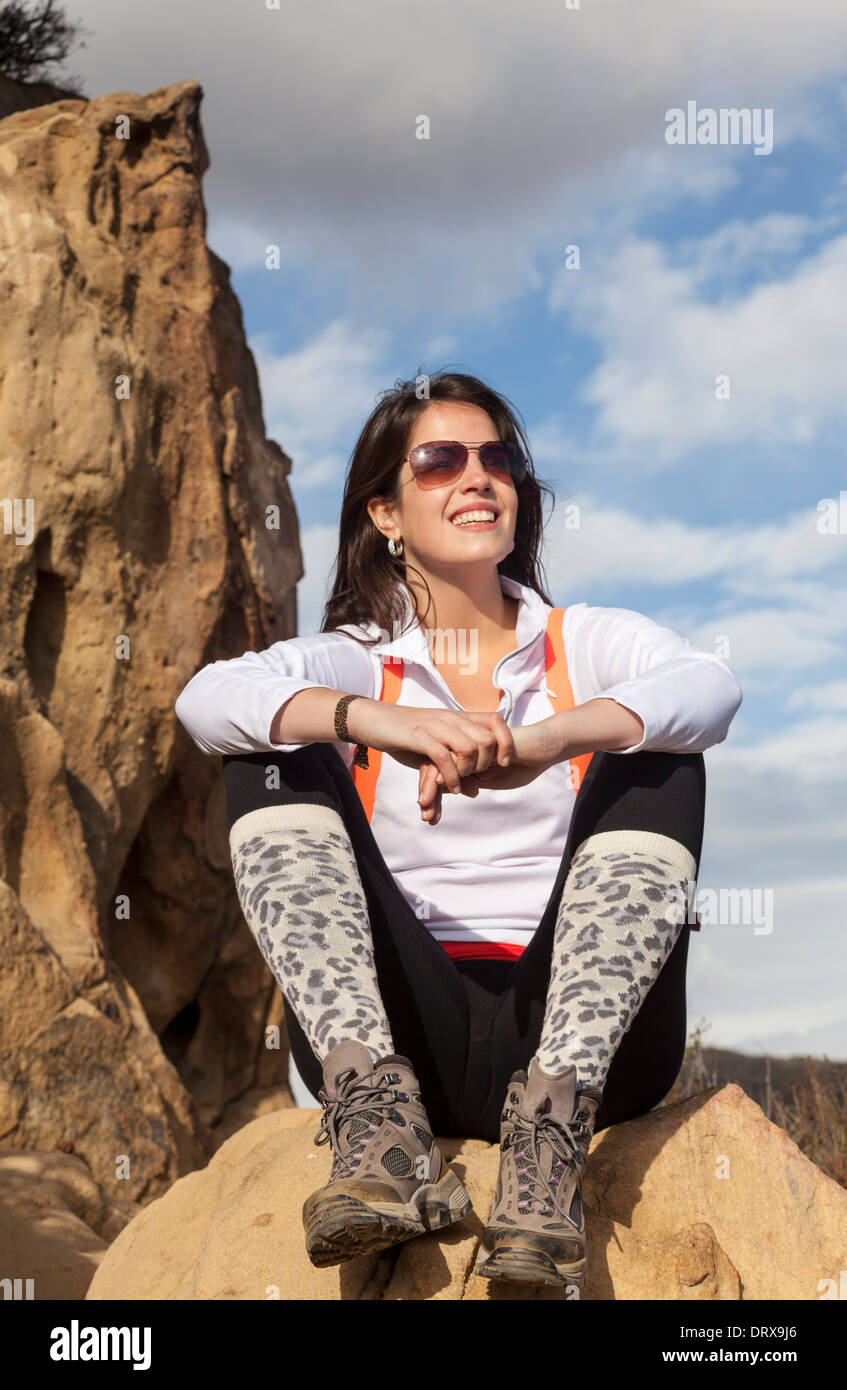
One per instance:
[(683, 384)]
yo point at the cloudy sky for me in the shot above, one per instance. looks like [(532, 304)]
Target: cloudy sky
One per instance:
[(697, 262)]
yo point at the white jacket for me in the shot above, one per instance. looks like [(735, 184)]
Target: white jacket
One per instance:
[(484, 874)]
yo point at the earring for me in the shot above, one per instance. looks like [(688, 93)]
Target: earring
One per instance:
[(394, 547)]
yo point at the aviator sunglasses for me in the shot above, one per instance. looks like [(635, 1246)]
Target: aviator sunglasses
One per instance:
[(442, 461)]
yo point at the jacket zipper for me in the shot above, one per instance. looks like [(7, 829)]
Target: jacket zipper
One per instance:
[(509, 696)]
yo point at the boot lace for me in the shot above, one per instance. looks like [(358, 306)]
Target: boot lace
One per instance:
[(564, 1140), (355, 1098)]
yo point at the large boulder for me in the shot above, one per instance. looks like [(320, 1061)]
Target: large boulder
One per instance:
[(703, 1199), (148, 529)]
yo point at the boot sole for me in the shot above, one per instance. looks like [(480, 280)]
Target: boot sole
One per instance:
[(339, 1226), (524, 1264)]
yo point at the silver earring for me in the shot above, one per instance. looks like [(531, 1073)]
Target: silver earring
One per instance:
[(394, 547)]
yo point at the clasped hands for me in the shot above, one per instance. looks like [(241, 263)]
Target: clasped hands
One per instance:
[(512, 758)]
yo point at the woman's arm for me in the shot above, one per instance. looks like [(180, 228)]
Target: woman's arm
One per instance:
[(242, 705), (685, 698), (309, 717), (599, 725), (285, 698)]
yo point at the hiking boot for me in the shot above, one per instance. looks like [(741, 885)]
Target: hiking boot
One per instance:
[(536, 1232), (389, 1181)]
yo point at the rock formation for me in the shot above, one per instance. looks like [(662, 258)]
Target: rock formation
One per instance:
[(55, 1223), (148, 528), (702, 1200)]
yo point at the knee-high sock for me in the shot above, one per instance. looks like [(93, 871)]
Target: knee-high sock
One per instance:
[(622, 909), (300, 891)]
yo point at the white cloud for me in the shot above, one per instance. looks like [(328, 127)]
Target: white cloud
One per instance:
[(818, 1040), (320, 395), (775, 823), (781, 607), (540, 119), (611, 544), (748, 246), (832, 695), (814, 750), (762, 1030), (781, 344)]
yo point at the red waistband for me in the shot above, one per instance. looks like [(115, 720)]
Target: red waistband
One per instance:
[(482, 950)]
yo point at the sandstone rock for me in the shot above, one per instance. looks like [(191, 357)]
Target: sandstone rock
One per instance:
[(83, 1073), (132, 441), (660, 1223), (55, 1222), (716, 1158)]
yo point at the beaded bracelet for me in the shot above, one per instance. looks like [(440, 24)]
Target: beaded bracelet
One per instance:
[(361, 758)]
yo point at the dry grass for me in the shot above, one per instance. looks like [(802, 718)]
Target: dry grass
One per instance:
[(694, 1075), (814, 1115)]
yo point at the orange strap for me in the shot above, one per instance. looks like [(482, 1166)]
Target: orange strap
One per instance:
[(365, 778), (561, 698)]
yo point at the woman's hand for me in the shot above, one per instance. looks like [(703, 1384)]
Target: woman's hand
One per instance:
[(536, 749), (454, 742)]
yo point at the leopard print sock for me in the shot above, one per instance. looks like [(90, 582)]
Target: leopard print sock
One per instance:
[(621, 911), (300, 891)]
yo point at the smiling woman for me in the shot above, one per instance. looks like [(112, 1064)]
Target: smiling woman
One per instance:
[(512, 967), (461, 447)]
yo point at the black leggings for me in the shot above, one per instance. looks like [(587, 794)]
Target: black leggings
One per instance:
[(468, 1025)]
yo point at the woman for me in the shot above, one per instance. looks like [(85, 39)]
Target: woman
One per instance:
[(506, 961)]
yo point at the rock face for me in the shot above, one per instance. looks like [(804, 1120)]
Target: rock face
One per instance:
[(55, 1223), (148, 528), (701, 1200)]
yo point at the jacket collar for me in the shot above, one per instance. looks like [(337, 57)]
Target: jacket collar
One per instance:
[(412, 645)]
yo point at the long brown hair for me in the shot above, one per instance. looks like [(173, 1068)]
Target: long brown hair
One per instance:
[(367, 577)]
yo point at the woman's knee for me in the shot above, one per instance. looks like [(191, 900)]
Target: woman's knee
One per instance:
[(683, 773), (664, 793), (273, 778)]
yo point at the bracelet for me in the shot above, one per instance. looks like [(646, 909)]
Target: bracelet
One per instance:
[(361, 758)]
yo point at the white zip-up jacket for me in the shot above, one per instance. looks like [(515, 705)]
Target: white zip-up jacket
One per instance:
[(485, 872)]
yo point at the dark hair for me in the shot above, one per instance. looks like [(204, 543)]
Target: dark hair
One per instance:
[(367, 577)]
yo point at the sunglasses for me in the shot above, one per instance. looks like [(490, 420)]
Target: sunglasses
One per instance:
[(442, 461)]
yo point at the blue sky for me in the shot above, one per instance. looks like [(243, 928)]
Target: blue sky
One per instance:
[(547, 129)]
